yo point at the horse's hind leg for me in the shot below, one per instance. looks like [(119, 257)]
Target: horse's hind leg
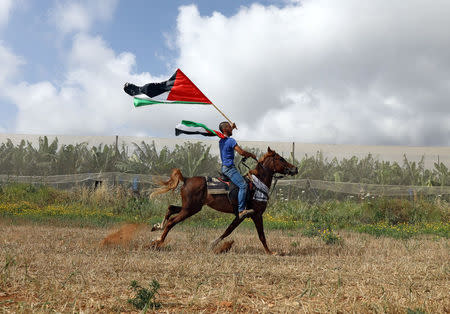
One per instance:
[(184, 213), (193, 195), (172, 209)]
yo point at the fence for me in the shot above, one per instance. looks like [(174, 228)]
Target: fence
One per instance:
[(140, 181), (134, 181), (363, 189), (49, 159)]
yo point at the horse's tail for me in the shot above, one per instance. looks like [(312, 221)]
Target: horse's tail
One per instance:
[(171, 184)]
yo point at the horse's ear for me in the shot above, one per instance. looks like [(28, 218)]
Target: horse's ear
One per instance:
[(269, 150)]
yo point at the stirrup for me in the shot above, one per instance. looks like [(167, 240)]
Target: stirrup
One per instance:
[(245, 213)]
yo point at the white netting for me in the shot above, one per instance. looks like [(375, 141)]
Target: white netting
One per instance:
[(364, 189), (118, 178), (111, 178), (431, 156)]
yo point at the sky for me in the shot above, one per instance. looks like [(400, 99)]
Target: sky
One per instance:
[(312, 71)]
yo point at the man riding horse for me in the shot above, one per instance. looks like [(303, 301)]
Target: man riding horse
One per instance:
[(227, 146), (195, 193)]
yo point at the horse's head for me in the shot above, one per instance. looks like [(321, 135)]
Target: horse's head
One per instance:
[(277, 164)]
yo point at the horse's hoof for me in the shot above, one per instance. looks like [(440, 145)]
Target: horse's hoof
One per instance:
[(214, 244), (155, 244), (272, 253), (151, 245), (156, 227)]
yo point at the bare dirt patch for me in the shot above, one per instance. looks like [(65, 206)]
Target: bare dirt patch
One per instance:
[(224, 247), (123, 236), (44, 268)]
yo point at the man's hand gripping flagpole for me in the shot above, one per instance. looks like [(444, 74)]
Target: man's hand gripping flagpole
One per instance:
[(233, 125)]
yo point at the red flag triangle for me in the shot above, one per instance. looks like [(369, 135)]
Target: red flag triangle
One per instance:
[(184, 90)]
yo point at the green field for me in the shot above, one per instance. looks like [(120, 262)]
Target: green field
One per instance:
[(397, 218)]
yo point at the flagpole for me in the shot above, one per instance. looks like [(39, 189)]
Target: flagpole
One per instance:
[(222, 113), (206, 97)]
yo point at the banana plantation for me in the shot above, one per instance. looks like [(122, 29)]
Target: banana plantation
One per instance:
[(194, 158)]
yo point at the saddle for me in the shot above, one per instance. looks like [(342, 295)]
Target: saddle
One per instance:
[(223, 185), (218, 185)]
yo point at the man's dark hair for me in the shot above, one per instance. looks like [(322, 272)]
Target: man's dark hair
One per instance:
[(222, 125)]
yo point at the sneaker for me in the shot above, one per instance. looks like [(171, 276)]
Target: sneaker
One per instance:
[(245, 213)]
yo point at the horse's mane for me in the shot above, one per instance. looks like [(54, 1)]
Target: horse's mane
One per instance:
[(261, 160), (268, 154)]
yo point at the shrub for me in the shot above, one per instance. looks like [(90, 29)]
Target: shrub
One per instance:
[(329, 237), (145, 298)]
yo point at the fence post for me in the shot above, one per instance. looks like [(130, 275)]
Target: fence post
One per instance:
[(293, 152), (293, 162)]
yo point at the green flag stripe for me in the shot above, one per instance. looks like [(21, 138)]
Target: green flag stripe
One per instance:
[(144, 102), (195, 124)]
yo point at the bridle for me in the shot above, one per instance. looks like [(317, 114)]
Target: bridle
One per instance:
[(275, 176)]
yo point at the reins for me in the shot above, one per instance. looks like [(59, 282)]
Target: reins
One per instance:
[(274, 176), (242, 162)]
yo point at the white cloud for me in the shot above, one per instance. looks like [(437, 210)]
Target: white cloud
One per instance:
[(78, 16), (5, 8), (90, 100), (327, 72), (9, 65), (72, 17), (348, 71)]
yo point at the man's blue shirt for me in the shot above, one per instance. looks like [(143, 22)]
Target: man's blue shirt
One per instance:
[(226, 146)]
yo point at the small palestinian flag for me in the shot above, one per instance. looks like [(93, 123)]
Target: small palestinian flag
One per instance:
[(178, 89), (189, 127)]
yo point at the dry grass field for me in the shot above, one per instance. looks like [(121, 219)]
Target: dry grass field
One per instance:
[(47, 268)]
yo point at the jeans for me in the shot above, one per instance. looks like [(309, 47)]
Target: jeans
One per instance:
[(234, 175)]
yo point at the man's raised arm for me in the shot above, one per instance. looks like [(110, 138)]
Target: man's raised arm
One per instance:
[(244, 153)]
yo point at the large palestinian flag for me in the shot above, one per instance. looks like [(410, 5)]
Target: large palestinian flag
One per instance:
[(189, 127), (178, 89)]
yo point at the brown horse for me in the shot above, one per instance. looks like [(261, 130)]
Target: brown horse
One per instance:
[(194, 194)]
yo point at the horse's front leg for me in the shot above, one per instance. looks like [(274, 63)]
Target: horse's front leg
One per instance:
[(236, 222), (258, 220)]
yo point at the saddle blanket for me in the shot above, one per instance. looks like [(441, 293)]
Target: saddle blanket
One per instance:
[(261, 190), (216, 186)]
